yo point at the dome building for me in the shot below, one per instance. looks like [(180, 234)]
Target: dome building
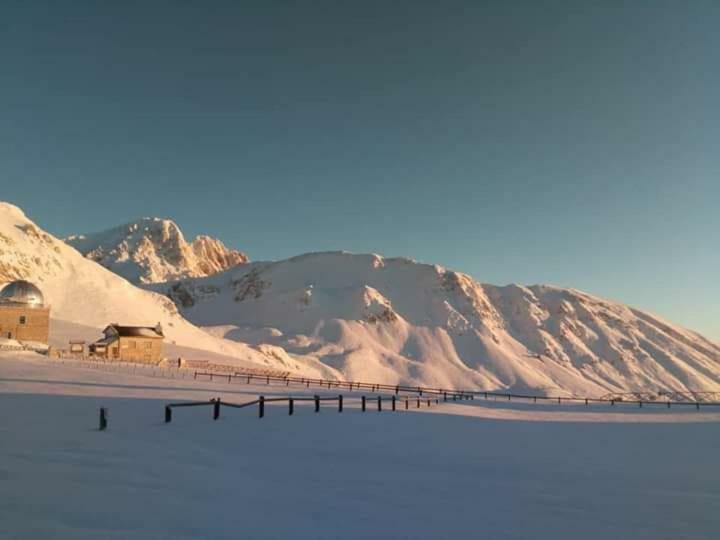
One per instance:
[(23, 313)]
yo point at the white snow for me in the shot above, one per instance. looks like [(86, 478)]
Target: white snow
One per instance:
[(359, 317), (85, 297), (154, 250), (394, 320), (458, 472)]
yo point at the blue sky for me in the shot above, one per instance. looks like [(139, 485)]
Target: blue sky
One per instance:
[(573, 143)]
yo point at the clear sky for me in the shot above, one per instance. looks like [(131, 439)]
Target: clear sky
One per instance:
[(574, 143)]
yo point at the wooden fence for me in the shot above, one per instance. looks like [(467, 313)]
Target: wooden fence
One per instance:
[(444, 392), (665, 399), (394, 403)]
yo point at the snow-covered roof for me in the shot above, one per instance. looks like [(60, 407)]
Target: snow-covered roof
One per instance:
[(135, 331)]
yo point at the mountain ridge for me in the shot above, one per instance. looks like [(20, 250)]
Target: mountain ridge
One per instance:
[(366, 314), (154, 250)]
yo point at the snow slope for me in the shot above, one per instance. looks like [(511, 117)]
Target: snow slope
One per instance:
[(383, 319), (88, 296), (451, 474), (154, 250)]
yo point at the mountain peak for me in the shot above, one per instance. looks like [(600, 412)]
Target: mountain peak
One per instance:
[(154, 250)]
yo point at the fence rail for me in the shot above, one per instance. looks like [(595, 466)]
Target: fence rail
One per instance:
[(664, 398), (218, 403), (450, 393)]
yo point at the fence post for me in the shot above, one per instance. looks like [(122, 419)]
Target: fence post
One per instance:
[(291, 406), (248, 380), (454, 397), (379, 403), (420, 390), (444, 396), (340, 403), (363, 404), (393, 403), (668, 404), (261, 406), (428, 402), (168, 414), (418, 403), (194, 374), (640, 404), (103, 419), (317, 403), (586, 401), (268, 380), (697, 405), (485, 395), (216, 409), (612, 402)]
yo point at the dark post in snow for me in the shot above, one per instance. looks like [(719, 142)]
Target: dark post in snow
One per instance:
[(340, 403), (393, 403), (407, 406), (216, 408), (444, 396), (418, 403), (103, 419), (261, 406), (168, 414), (291, 406), (363, 404), (397, 390), (379, 403), (317, 403)]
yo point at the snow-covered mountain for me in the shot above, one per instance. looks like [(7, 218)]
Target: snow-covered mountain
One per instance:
[(84, 297), (154, 250), (382, 319)]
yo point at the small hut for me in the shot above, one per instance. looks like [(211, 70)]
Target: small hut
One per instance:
[(130, 344)]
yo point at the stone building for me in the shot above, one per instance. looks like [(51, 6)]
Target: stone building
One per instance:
[(23, 314), (130, 344)]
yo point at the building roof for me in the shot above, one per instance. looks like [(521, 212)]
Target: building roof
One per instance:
[(136, 331), (22, 292)]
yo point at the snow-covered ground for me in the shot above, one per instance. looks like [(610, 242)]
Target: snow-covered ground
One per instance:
[(468, 470)]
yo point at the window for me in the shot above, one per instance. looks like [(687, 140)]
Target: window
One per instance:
[(23, 319)]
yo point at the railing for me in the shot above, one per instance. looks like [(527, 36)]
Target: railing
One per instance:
[(668, 398), (217, 403), (453, 394)]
